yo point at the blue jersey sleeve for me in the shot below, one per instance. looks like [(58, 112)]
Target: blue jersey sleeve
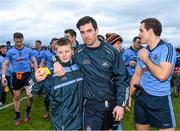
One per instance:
[(168, 54), (8, 56), (31, 53)]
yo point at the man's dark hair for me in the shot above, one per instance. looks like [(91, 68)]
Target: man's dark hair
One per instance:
[(85, 20), (154, 24), (53, 39), (38, 41), (64, 41), (71, 32), (101, 37), (3, 46), (135, 38), (18, 35)]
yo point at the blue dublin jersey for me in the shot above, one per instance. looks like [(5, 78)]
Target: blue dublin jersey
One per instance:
[(39, 55), (9, 70), (20, 59), (130, 55), (48, 58), (163, 52)]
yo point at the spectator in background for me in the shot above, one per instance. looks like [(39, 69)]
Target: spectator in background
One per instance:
[(8, 45), (176, 75), (130, 55), (3, 51), (115, 40)]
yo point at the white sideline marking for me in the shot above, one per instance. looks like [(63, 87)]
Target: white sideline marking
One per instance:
[(10, 104)]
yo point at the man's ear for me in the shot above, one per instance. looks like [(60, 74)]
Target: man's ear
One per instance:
[(97, 30), (72, 51)]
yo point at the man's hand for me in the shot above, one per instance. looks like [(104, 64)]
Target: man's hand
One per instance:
[(143, 55), (58, 69), (4, 80), (118, 113), (132, 63)]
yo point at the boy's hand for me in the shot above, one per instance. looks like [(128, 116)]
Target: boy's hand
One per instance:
[(58, 69), (40, 74)]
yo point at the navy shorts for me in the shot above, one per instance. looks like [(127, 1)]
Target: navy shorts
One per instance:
[(154, 110), (19, 83), (97, 115)]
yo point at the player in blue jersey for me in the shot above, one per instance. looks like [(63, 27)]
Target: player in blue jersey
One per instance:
[(71, 35), (130, 55), (19, 57), (155, 65), (38, 52), (3, 51), (47, 61)]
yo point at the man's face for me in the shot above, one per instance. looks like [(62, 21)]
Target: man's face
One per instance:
[(137, 44), (53, 44), (37, 45), (71, 38), (144, 34), (3, 50), (88, 34), (118, 45), (64, 53), (18, 41)]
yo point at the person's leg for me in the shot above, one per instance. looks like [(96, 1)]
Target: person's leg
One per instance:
[(3, 97), (29, 104), (46, 104), (160, 112), (93, 115), (9, 79), (140, 127), (140, 114), (1, 92), (17, 94)]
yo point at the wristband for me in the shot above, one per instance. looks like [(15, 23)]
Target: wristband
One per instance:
[(3, 76), (55, 59)]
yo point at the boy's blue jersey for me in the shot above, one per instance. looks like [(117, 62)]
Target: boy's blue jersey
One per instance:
[(9, 70), (48, 58), (163, 52), (20, 59), (130, 55), (39, 55)]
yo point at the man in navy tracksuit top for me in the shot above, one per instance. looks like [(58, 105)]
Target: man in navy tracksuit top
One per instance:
[(105, 78), (65, 92)]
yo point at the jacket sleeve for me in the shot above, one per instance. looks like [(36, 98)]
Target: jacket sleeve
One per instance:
[(122, 80), (39, 87)]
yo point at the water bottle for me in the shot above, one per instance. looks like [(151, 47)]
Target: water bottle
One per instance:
[(6, 87)]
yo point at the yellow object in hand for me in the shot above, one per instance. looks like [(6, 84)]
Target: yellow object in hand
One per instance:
[(6, 88), (44, 71)]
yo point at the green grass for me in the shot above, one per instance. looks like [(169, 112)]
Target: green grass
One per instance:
[(38, 123)]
